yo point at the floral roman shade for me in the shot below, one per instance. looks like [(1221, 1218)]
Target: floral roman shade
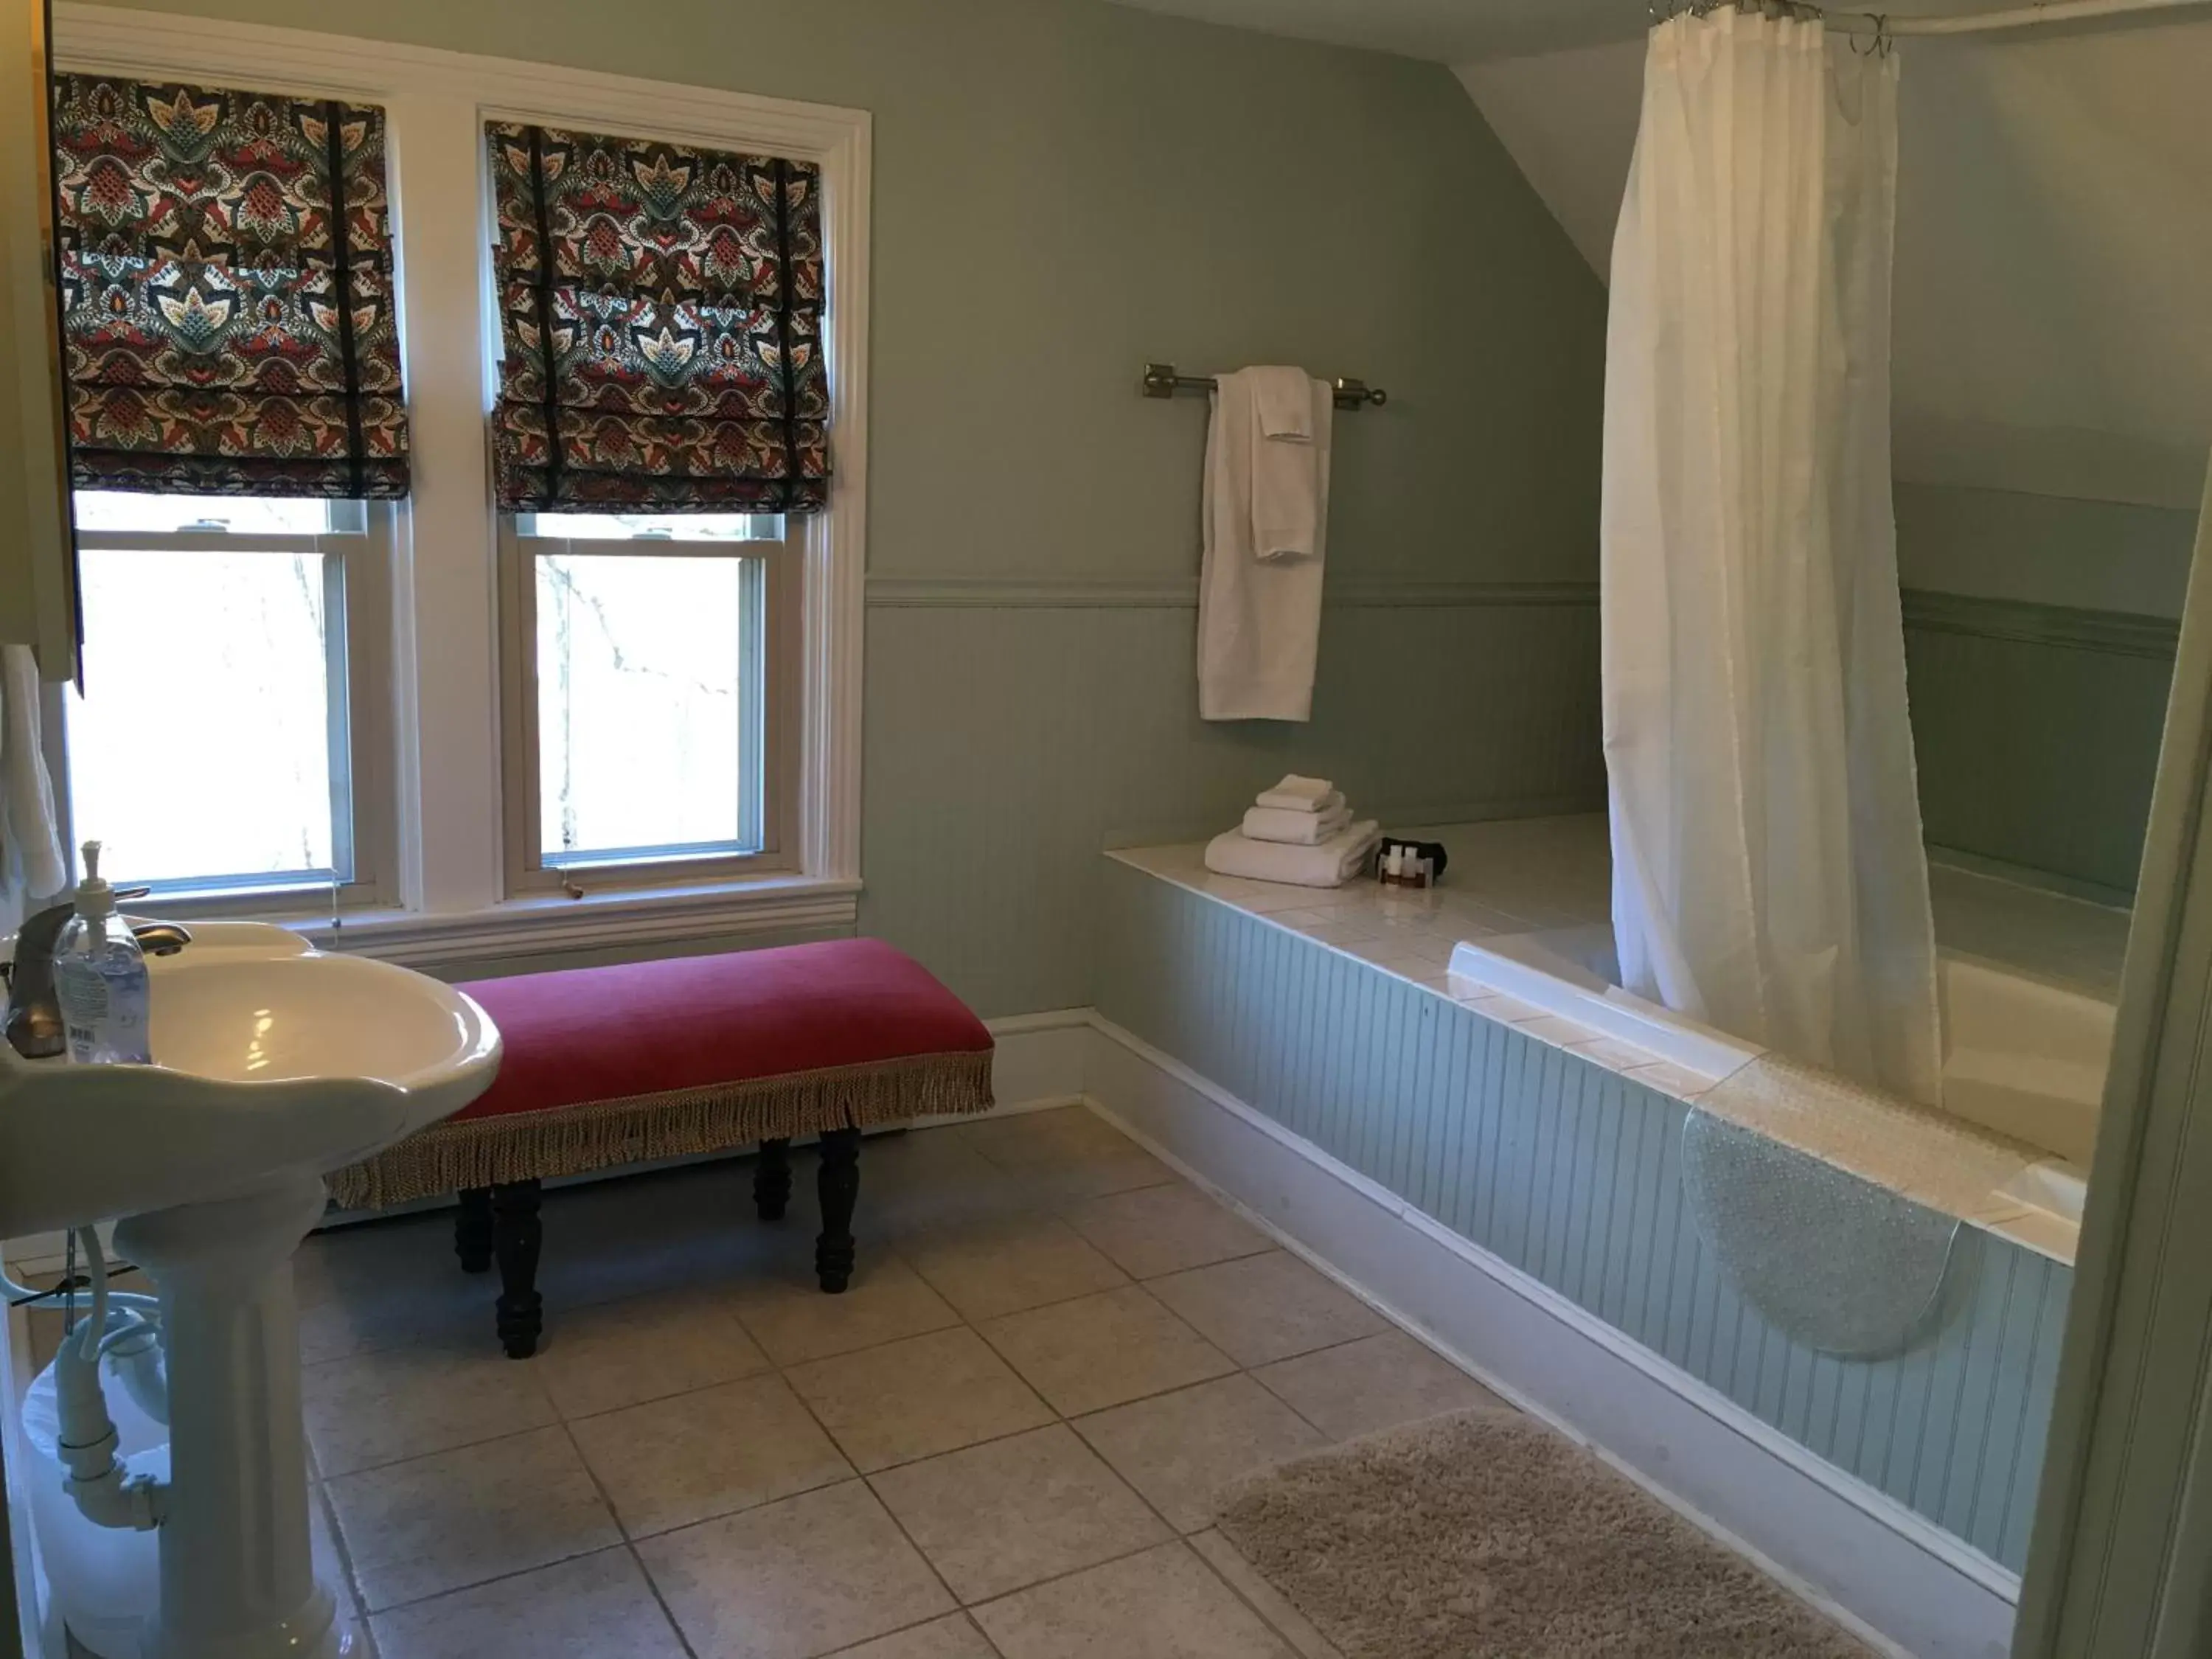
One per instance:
[(661, 315), (227, 289)]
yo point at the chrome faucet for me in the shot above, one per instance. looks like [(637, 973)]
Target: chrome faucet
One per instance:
[(34, 1012)]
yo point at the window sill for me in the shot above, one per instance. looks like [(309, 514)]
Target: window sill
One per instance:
[(597, 921)]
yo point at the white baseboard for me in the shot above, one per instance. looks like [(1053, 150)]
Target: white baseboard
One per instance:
[(1899, 1582), (1039, 1063)]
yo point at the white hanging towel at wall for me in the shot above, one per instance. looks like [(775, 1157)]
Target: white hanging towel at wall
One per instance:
[(1265, 512), (32, 869), (1769, 877)]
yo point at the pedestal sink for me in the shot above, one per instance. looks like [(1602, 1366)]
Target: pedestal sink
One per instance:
[(274, 1063)]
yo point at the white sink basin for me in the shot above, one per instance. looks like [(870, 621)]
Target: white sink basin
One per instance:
[(270, 1056), (273, 1065)]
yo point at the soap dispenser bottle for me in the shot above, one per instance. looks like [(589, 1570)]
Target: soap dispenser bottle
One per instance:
[(100, 978)]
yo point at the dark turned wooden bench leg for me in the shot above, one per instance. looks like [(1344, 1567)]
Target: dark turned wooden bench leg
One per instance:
[(517, 1235), (772, 1180), (472, 1230), (839, 1184)]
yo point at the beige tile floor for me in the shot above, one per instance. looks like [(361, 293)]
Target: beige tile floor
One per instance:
[(1003, 1441)]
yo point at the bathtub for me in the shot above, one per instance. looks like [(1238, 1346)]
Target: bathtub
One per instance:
[(2023, 1056)]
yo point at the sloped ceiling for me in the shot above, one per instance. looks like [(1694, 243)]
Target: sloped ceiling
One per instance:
[(2054, 267), (2054, 316)]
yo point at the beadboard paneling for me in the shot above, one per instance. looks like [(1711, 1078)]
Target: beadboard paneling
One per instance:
[(2037, 730), (1009, 742), (1571, 1173)]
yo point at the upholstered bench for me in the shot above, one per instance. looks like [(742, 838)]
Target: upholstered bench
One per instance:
[(606, 1067)]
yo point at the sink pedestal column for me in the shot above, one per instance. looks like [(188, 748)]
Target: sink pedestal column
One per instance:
[(238, 1576)]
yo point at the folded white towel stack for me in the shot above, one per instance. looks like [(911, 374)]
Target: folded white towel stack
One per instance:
[(1295, 829), (1328, 864), (1298, 794), (1300, 832)]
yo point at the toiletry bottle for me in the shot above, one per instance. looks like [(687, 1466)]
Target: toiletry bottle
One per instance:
[(99, 977)]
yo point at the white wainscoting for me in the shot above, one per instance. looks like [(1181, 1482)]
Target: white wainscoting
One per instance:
[(1902, 1585)]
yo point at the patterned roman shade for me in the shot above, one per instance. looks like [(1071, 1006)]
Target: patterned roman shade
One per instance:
[(661, 314), (227, 286)]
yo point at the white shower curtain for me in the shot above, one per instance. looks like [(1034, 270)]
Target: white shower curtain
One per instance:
[(1769, 877)]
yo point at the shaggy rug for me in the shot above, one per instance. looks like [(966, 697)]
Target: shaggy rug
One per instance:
[(1485, 1536)]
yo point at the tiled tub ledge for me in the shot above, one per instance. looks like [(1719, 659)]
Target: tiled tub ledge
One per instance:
[(1954, 1168)]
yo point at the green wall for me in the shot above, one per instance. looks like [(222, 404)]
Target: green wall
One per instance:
[(2044, 549), (2039, 638), (1064, 189)]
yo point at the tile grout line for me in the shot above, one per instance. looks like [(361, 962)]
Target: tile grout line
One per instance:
[(868, 1485), (660, 1600), (476, 1584), (629, 1545), (959, 1612), (1281, 1635), (321, 1498)]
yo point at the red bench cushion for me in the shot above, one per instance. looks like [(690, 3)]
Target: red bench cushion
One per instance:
[(649, 1028), (608, 1066)]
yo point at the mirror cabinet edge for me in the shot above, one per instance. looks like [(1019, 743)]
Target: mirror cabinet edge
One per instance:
[(38, 560)]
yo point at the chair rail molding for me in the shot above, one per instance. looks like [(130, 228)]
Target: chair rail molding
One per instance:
[(2118, 633), (972, 592)]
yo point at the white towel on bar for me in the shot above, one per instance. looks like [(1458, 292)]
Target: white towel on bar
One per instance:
[(1298, 794), (1266, 522), (1331, 863), (1295, 829), (1285, 397)]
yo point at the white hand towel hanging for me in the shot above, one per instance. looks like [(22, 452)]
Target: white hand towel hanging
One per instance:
[(1286, 487), (1266, 521), (1285, 400), (32, 869)]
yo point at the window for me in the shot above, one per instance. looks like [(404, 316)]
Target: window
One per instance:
[(227, 738), (533, 676), (237, 426), (643, 653), (662, 415)]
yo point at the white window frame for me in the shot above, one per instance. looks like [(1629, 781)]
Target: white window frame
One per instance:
[(767, 813), (454, 906), (357, 651)]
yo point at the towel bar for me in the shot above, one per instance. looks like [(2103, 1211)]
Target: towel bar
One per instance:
[(1161, 381)]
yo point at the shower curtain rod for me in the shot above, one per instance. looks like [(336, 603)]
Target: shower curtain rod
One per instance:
[(1986, 22)]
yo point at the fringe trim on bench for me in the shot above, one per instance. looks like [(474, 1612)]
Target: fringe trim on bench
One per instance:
[(564, 1140)]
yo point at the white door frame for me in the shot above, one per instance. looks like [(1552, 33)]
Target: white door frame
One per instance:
[(2121, 1563)]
